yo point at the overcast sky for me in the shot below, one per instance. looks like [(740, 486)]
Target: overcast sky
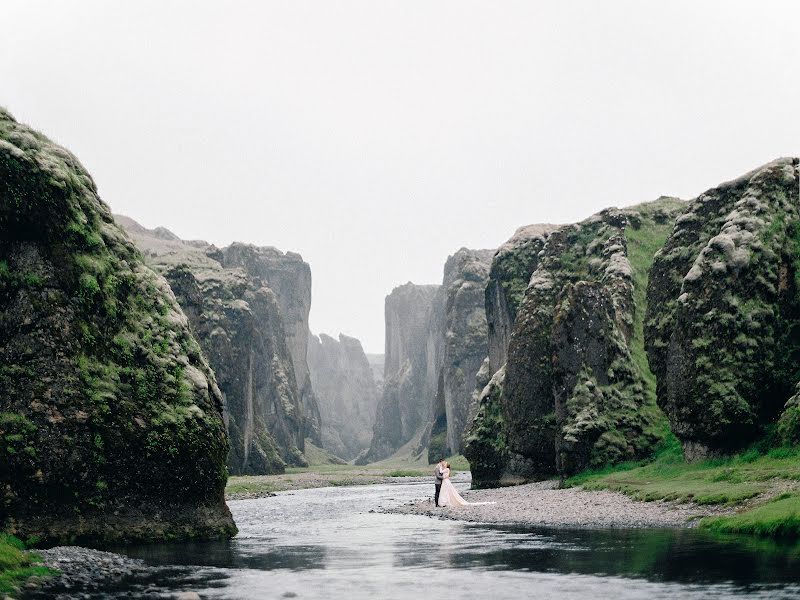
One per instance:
[(376, 138)]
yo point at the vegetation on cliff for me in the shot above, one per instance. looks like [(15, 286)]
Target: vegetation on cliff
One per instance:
[(576, 391), (723, 320), (110, 416)]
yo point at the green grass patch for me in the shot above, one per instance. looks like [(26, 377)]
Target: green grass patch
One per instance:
[(406, 473), (17, 565), (778, 518), (668, 477), (246, 485)]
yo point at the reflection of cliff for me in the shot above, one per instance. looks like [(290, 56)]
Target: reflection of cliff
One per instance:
[(342, 380)]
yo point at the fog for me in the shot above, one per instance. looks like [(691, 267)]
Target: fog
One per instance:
[(375, 138)]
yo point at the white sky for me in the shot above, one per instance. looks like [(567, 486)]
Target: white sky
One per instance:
[(376, 138)]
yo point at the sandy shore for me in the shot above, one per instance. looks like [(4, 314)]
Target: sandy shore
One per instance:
[(541, 504)]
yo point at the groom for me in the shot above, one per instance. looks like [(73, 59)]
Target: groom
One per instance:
[(438, 483)]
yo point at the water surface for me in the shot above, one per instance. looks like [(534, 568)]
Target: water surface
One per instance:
[(325, 543)]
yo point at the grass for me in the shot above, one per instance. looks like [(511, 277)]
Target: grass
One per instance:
[(334, 475), (778, 518), (729, 482), (17, 565)]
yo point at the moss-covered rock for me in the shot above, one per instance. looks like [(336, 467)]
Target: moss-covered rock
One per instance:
[(241, 328), (110, 417), (576, 390), (723, 325)]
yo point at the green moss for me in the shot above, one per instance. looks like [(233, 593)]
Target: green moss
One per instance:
[(778, 518), (724, 481), (17, 565)]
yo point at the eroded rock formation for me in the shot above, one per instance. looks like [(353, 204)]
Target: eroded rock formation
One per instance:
[(723, 323), (576, 390), (460, 321), (110, 415), (229, 298), (409, 370), (346, 392)]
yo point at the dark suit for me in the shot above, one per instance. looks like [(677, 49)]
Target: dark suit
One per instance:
[(439, 479)]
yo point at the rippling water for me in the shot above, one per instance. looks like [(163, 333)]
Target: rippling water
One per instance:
[(325, 543)]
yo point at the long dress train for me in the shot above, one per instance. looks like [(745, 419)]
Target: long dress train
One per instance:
[(449, 496)]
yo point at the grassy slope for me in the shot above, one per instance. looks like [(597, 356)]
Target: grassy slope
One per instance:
[(324, 475), (732, 481), (16, 565)]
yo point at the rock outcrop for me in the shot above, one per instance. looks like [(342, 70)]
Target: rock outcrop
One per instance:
[(110, 416), (460, 321), (238, 317), (345, 389), (511, 270), (410, 370), (576, 390), (723, 323)]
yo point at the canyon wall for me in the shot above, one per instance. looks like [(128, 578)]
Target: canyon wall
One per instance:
[(459, 326), (345, 389), (409, 379), (110, 415), (576, 390), (723, 320), (229, 298)]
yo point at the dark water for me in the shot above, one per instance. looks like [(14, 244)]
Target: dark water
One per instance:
[(325, 543)]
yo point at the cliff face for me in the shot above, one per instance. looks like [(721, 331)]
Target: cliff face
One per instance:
[(239, 320), (409, 381), (724, 313), (576, 390), (462, 330), (343, 383), (111, 417), (290, 278), (511, 270)]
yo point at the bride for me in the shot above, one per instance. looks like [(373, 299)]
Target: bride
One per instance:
[(449, 496)]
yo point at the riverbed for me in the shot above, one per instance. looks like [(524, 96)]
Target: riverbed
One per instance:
[(339, 543)]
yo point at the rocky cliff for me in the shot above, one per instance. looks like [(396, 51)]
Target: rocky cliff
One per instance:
[(409, 370), (460, 324), (238, 317), (511, 270), (576, 390), (110, 416), (346, 392), (290, 278), (723, 323)]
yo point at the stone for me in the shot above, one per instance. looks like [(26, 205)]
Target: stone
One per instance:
[(576, 391), (342, 379), (723, 313), (410, 370), (111, 414), (230, 299)]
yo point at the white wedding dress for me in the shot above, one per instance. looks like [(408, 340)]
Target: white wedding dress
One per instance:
[(449, 496)]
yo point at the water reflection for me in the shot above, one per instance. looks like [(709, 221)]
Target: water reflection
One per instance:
[(327, 544)]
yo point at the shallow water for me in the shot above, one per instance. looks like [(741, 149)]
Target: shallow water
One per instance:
[(325, 543)]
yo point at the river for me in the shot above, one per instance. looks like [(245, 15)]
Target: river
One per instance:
[(329, 544)]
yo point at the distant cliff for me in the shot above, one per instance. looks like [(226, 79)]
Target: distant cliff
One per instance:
[(724, 313), (345, 389), (460, 323), (229, 297), (110, 416), (576, 390), (409, 370)]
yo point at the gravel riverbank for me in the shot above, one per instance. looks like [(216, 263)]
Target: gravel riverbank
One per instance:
[(542, 504), (88, 574)]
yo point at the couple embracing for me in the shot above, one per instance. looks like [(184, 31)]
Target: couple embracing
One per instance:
[(446, 493)]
